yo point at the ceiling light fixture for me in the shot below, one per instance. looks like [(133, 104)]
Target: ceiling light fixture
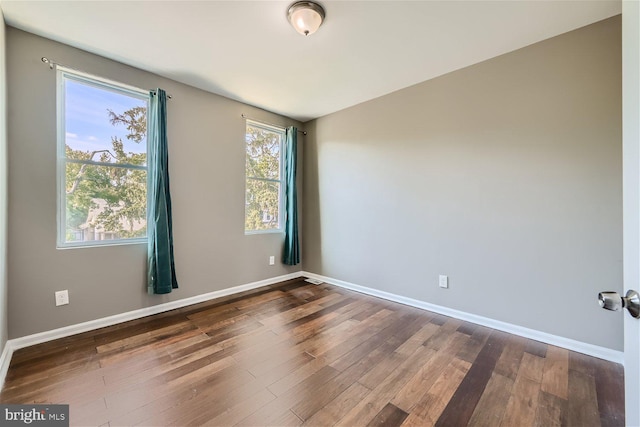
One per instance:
[(306, 16)]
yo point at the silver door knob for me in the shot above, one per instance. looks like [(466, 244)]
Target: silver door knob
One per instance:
[(613, 301)]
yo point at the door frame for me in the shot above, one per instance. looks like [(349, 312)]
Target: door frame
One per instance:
[(631, 199)]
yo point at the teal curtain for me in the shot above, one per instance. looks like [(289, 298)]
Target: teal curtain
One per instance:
[(161, 272), (291, 255)]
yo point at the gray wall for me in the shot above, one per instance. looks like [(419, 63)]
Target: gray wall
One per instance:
[(3, 190), (206, 154), (505, 176)]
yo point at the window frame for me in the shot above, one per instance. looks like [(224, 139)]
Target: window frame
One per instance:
[(62, 75), (281, 181)]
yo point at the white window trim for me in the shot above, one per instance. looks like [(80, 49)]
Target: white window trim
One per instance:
[(63, 73), (281, 195)]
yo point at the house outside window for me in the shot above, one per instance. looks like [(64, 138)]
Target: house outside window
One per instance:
[(102, 161)]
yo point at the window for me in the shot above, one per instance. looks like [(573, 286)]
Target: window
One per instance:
[(264, 175), (102, 161)]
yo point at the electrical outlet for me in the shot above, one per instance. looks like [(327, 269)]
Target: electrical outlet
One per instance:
[(272, 260), (62, 297), (443, 281)]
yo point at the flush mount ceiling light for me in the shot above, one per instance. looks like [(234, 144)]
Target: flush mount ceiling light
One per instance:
[(306, 16)]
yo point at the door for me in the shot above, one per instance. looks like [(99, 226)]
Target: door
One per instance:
[(631, 199)]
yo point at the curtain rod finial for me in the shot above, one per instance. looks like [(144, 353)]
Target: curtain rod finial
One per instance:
[(46, 61)]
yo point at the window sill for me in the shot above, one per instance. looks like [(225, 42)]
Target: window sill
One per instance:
[(258, 232), (93, 244)]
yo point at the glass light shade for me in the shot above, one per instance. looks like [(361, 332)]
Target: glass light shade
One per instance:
[(306, 17)]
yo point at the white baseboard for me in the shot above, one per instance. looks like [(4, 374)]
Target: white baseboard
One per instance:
[(558, 341), (29, 340), (5, 361), (91, 325)]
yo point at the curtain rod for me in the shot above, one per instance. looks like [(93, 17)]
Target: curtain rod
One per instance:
[(304, 132), (53, 64)]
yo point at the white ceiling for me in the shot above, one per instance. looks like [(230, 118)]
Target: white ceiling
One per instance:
[(247, 51)]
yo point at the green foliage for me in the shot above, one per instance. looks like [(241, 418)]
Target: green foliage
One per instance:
[(263, 173), (106, 196), (135, 119)]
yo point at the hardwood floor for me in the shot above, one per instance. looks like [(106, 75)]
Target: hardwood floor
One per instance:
[(302, 354)]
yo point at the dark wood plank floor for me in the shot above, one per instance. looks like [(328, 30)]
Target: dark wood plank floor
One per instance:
[(296, 353)]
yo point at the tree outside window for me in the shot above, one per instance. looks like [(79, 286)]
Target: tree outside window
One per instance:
[(264, 181), (103, 198)]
